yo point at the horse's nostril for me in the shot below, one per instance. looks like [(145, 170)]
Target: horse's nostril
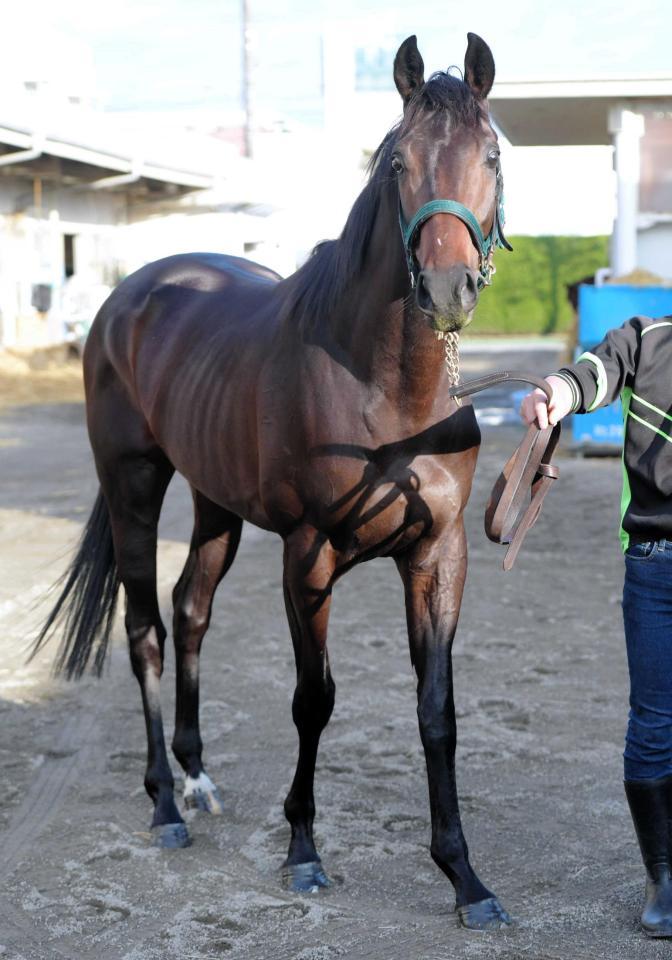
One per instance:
[(449, 292), (423, 296), (469, 291)]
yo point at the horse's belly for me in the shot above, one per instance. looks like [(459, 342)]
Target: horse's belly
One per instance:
[(214, 447), (229, 481)]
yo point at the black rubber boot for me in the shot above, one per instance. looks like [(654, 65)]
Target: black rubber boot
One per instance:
[(651, 808)]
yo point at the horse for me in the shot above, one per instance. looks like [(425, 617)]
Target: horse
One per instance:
[(316, 407)]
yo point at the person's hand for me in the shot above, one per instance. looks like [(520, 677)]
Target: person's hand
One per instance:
[(535, 406)]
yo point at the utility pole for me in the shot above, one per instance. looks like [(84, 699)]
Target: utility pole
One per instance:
[(248, 93)]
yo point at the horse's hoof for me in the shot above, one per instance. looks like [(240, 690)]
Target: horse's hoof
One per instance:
[(170, 836), (485, 915), (200, 793), (305, 877)]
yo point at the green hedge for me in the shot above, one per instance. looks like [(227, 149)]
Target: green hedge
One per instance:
[(528, 294)]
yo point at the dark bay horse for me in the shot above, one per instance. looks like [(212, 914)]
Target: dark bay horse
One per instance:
[(316, 407)]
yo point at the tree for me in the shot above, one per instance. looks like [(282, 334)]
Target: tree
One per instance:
[(528, 293)]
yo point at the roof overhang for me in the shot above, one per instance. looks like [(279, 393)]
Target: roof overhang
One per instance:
[(571, 112), (101, 163)]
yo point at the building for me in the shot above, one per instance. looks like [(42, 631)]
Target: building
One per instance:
[(69, 177), (634, 116), (86, 197)]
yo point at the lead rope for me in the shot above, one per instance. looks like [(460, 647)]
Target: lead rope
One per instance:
[(451, 345)]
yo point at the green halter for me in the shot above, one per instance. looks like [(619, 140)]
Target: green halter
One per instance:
[(485, 245)]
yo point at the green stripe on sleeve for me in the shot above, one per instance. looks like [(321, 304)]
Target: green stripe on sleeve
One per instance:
[(654, 326), (626, 495), (601, 378)]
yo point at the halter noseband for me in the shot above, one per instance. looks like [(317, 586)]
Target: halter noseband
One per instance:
[(485, 245)]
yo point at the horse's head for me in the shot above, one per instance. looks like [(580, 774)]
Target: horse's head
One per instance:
[(446, 160)]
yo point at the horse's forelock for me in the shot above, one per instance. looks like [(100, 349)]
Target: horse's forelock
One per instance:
[(445, 92)]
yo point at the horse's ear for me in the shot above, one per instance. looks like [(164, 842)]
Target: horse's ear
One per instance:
[(409, 70), (479, 66)]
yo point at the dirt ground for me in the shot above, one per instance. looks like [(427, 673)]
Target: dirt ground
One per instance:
[(49, 375), (541, 697)]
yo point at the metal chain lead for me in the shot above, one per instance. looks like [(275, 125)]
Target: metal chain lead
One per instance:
[(451, 344)]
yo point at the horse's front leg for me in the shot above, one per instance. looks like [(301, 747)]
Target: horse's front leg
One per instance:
[(433, 573), (308, 573)]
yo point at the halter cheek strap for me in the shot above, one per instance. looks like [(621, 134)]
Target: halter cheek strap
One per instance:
[(485, 245)]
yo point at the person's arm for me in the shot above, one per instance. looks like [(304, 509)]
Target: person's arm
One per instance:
[(595, 380)]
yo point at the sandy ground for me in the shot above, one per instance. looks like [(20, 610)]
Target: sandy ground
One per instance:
[(46, 375), (541, 699)]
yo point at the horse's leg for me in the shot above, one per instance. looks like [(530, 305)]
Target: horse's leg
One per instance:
[(134, 483), (308, 571), (213, 548), (433, 573)]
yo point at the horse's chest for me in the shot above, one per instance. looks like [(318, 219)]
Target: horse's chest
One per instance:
[(377, 506), (371, 485)]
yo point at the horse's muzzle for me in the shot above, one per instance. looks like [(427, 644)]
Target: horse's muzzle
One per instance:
[(448, 297)]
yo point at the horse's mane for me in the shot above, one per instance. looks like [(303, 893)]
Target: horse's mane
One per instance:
[(322, 280)]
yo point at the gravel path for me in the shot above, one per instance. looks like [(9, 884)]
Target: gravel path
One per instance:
[(541, 699)]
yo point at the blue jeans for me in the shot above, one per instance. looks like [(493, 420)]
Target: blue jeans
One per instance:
[(647, 617)]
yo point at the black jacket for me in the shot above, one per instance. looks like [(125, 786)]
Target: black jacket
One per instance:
[(635, 362)]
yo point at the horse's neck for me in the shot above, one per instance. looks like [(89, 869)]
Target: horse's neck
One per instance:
[(387, 339)]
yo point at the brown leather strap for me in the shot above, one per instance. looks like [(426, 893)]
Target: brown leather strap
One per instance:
[(492, 379), (528, 472)]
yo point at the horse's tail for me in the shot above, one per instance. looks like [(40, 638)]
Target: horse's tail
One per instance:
[(86, 605)]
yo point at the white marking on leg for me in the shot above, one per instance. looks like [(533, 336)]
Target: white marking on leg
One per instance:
[(202, 783), (202, 793)]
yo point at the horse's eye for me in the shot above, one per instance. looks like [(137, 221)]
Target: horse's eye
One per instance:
[(397, 165), (493, 156)]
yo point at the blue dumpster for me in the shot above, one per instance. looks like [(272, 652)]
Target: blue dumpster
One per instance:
[(600, 309)]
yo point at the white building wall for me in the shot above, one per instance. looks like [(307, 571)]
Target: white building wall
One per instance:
[(32, 252), (654, 250)]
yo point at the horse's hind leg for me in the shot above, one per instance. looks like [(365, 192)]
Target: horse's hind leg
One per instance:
[(135, 492), (134, 475), (308, 573), (213, 548)]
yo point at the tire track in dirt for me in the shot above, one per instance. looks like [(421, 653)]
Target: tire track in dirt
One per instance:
[(17, 935), (72, 752)]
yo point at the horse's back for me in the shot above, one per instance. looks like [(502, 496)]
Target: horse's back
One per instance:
[(205, 271), (166, 313), (175, 353), (211, 273)]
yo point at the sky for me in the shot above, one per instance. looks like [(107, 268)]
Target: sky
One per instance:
[(167, 55), (182, 53)]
